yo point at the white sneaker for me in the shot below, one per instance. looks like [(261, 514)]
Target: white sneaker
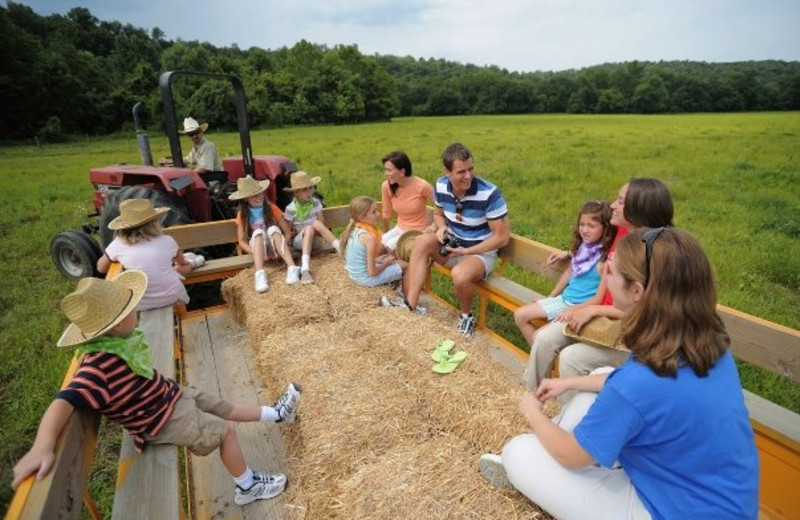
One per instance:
[(261, 281), (293, 275), (492, 470), (264, 486), (286, 405)]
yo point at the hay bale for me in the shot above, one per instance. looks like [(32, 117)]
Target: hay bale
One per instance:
[(438, 479), (381, 435)]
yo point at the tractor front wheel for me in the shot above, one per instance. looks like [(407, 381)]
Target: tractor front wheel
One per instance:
[(75, 254)]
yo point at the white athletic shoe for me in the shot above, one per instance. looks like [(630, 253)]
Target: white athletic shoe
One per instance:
[(261, 281)]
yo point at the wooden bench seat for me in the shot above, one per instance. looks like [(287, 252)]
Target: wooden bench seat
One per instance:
[(148, 483)]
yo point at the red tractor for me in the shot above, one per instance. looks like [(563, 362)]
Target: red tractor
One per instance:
[(191, 196)]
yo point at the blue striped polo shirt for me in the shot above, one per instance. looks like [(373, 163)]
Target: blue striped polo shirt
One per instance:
[(483, 202)]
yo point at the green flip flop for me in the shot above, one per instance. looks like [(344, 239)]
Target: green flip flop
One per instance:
[(450, 364), (442, 350)]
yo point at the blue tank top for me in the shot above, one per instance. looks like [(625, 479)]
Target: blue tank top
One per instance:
[(582, 287), (355, 256)]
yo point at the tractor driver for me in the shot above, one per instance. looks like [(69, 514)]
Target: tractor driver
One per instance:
[(203, 157)]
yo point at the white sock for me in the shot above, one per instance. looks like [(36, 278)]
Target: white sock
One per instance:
[(245, 480), (335, 244), (305, 262), (269, 414), (466, 314)]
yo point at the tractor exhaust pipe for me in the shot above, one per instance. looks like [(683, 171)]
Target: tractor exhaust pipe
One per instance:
[(141, 137)]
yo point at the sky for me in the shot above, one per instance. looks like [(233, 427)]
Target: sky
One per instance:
[(517, 35)]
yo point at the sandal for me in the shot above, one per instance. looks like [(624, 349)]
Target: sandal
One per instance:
[(442, 350), (450, 364)]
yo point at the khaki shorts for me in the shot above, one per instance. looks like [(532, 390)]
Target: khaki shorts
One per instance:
[(198, 422)]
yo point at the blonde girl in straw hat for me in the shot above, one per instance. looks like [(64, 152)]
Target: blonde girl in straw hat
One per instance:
[(365, 257), (139, 244), (116, 378), (262, 230), (304, 213)]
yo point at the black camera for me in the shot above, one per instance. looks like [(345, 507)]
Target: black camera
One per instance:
[(449, 240)]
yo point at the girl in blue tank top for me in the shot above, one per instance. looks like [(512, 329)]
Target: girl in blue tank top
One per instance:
[(592, 239), (366, 259)]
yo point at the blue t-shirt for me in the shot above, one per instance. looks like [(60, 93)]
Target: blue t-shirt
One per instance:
[(482, 202), (685, 442)]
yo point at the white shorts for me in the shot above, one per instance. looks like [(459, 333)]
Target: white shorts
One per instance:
[(317, 244), (390, 237), (270, 249), (552, 307)]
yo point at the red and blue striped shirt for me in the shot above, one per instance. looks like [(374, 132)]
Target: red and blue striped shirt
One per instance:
[(104, 382)]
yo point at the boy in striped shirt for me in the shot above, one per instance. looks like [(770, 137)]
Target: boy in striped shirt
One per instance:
[(116, 378)]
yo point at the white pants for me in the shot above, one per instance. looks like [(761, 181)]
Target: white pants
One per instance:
[(574, 359), (390, 238), (590, 492)]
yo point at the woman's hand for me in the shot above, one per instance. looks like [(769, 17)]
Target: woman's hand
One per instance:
[(557, 256), (430, 229), (529, 405), (550, 388)]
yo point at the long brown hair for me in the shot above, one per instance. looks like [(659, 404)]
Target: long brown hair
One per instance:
[(244, 211), (676, 322), (600, 212), (359, 207)]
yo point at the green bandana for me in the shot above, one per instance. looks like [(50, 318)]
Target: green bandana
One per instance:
[(134, 350), (303, 209)]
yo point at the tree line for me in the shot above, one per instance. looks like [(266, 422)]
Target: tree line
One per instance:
[(73, 74)]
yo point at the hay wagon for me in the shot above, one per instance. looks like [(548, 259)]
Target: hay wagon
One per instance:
[(227, 348)]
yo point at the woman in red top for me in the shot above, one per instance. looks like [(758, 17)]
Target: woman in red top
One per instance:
[(642, 202)]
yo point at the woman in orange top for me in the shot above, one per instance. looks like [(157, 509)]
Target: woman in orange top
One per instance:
[(406, 195)]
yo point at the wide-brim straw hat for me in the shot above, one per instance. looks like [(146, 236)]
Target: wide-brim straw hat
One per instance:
[(600, 331), (405, 243), (97, 305), (190, 125), (135, 212), (247, 186), (300, 180)]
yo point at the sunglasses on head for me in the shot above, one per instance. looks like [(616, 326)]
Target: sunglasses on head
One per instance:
[(649, 237)]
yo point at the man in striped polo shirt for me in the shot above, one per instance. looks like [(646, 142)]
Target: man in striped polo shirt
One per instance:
[(472, 210)]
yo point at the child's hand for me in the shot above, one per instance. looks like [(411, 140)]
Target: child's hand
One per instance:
[(403, 264), (557, 256), (39, 462)]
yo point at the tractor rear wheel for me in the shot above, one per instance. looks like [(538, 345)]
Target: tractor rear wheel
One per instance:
[(160, 199), (75, 254)]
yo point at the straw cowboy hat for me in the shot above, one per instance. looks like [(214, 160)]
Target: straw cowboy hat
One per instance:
[(191, 125), (300, 180), (135, 212), (247, 186), (405, 243), (97, 305), (600, 331)]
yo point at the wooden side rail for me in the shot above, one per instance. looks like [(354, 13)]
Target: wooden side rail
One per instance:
[(61, 493)]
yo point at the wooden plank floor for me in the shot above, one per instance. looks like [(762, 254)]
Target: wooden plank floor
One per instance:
[(219, 360)]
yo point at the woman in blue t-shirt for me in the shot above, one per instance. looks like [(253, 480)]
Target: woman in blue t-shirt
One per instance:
[(666, 435)]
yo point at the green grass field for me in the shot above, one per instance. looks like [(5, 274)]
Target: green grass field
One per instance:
[(735, 180)]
